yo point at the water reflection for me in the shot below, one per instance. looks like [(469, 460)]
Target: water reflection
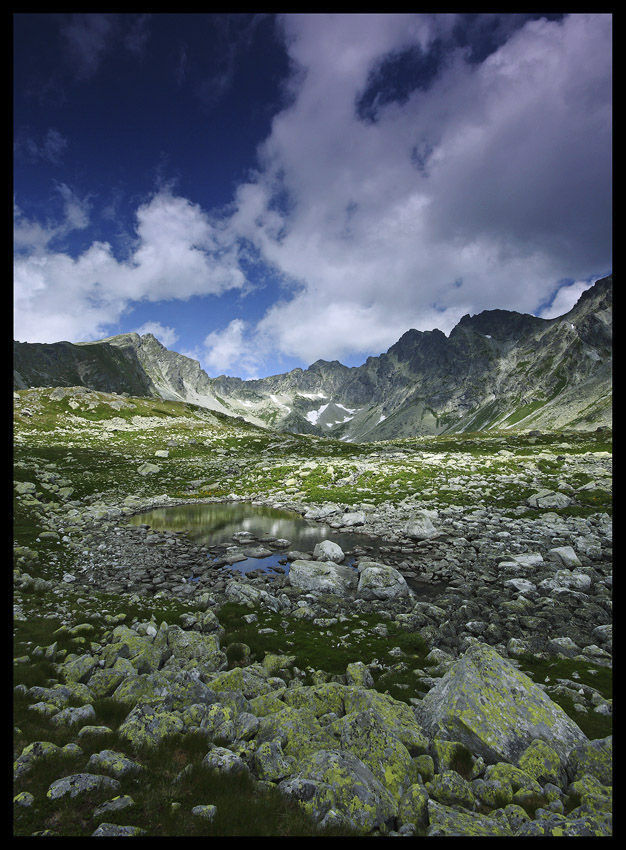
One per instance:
[(215, 524)]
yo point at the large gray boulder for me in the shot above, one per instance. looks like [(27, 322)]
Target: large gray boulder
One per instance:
[(327, 550), (322, 577), (378, 581), (333, 781), (493, 708), (420, 526)]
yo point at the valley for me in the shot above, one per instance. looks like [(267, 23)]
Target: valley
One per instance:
[(160, 690)]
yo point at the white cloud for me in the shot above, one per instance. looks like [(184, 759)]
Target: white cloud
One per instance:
[(565, 298), (166, 335), (178, 253), (234, 346), (509, 190)]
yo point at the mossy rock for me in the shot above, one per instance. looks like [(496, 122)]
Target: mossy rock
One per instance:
[(448, 821), (493, 708), (329, 780), (540, 761), (594, 758)]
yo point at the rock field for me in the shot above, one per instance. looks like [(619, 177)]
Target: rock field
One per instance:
[(454, 680)]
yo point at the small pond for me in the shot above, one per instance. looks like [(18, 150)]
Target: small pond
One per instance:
[(250, 527), (242, 529)]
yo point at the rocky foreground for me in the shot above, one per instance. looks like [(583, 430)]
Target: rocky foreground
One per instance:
[(472, 742), (485, 752)]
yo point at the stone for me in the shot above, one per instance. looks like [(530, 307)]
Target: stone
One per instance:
[(114, 830), (493, 708), (207, 812), (147, 726), (541, 762), (333, 780), (548, 499), (224, 761), (594, 758), (564, 555), (112, 762), (81, 783), (322, 577), (378, 581), (148, 468), (447, 821), (327, 550), (420, 527)]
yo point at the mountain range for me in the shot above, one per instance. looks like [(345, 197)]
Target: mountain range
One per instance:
[(496, 369)]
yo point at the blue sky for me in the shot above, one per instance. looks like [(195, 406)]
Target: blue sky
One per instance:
[(261, 191)]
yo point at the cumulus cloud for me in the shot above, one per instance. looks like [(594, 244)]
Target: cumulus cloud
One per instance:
[(166, 335), (234, 346), (479, 188), (565, 298), (178, 252), (416, 173)]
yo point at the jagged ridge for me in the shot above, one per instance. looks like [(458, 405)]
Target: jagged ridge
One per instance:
[(498, 368)]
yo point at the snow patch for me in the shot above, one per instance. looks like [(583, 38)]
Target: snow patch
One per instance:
[(279, 403), (314, 415)]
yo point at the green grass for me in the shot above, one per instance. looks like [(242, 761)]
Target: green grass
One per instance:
[(329, 647), (103, 467)]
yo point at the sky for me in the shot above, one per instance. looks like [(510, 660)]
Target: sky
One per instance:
[(262, 191)]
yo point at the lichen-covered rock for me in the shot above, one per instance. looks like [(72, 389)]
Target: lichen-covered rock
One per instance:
[(492, 793), (413, 806), (224, 761), (115, 804), (396, 716), (144, 655), (540, 761), (365, 736), (331, 780), (206, 812), (378, 581), (450, 789), (33, 753), (513, 776), (298, 731), (104, 681), (448, 821), (114, 763), (357, 673), (146, 688), (114, 830), (78, 669), (594, 758), (147, 725), (203, 650), (320, 699), (271, 763), (495, 709), (424, 765), (80, 715), (81, 783)]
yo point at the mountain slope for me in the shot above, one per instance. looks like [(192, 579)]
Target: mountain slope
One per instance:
[(498, 368)]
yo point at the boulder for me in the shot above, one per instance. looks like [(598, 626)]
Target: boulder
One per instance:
[(420, 527), (548, 499), (329, 780), (493, 708), (378, 581), (322, 577), (326, 550)]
